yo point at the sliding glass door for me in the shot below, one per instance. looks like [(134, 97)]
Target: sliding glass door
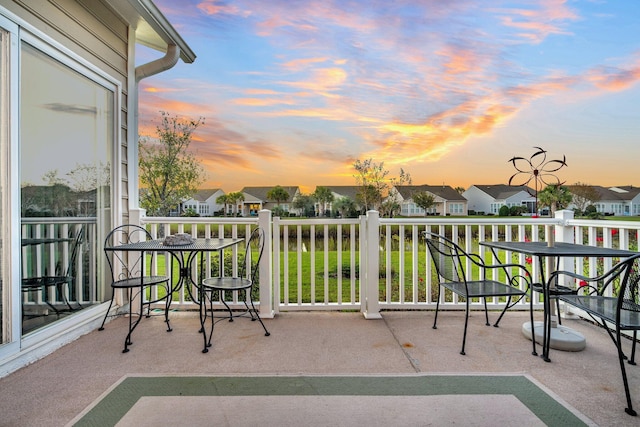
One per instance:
[(67, 132)]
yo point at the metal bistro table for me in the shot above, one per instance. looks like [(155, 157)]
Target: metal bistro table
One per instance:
[(542, 250), (185, 255)]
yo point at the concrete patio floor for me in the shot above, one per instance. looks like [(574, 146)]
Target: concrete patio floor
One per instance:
[(53, 390)]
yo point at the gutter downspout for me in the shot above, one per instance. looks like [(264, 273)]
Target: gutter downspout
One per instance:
[(145, 70), (159, 65)]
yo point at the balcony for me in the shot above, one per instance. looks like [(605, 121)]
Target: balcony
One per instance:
[(350, 297), (317, 343)]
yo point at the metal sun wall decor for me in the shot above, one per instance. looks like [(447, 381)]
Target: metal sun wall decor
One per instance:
[(538, 169)]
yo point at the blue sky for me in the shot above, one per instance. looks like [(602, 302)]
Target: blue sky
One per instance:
[(293, 92)]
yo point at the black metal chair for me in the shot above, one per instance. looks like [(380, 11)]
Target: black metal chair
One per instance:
[(616, 313), (245, 280), (450, 262), (128, 272), (60, 279)]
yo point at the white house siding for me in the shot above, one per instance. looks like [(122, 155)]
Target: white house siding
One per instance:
[(478, 200)]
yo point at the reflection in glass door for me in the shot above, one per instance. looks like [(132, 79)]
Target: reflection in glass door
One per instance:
[(66, 135)]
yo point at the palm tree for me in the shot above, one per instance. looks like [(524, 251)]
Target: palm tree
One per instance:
[(278, 194), (345, 206), (223, 200), (555, 196), (234, 198), (323, 196)]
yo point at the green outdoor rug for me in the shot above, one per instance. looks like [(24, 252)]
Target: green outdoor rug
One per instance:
[(329, 400)]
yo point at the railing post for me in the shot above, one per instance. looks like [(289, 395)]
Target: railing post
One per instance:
[(372, 262), (266, 263), (565, 233)]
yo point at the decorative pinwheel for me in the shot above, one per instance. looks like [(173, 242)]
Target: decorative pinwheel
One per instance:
[(538, 169)]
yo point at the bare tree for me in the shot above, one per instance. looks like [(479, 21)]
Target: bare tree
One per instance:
[(583, 195)]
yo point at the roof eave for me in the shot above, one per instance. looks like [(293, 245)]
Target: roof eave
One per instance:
[(152, 27)]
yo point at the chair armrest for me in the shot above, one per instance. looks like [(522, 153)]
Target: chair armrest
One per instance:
[(606, 277)]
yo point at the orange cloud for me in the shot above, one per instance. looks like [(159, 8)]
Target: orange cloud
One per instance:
[(322, 80)]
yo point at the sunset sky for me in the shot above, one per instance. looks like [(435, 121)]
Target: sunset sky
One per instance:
[(293, 92)]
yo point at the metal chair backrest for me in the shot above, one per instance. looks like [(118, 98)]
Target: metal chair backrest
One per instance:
[(256, 239), (629, 292), (73, 252), (446, 257), (124, 265)]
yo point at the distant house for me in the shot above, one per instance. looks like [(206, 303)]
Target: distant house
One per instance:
[(447, 200), (255, 199), (622, 200), (204, 202), (488, 199)]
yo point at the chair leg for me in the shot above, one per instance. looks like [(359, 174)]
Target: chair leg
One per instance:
[(558, 310), (435, 319), (132, 324), (506, 307), (486, 313), (167, 306), (101, 328), (202, 298), (629, 409), (546, 327), (632, 361), (266, 332), (533, 331), (466, 322), (226, 305)]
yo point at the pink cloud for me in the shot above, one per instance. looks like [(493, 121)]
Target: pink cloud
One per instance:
[(216, 7), (615, 79), (536, 24)]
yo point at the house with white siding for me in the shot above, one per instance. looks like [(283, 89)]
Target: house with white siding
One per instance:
[(623, 200), (447, 200), (488, 199), (204, 202)]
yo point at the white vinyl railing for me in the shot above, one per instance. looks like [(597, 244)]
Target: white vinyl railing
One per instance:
[(371, 264), (367, 264)]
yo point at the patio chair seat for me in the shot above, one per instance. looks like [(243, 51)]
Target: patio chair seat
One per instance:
[(135, 282), (450, 260)]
